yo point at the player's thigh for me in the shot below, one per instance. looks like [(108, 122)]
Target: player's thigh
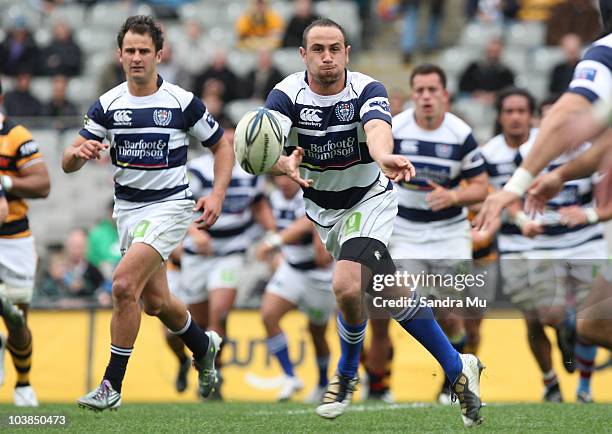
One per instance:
[(514, 269), (17, 269), (139, 264), (274, 307)]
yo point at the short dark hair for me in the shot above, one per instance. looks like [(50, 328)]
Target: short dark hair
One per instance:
[(426, 69), (323, 22), (508, 92), (142, 24), (512, 91)]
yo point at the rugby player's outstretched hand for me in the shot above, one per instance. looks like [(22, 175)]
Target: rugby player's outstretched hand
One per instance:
[(211, 206), (290, 165), (543, 189), (489, 217), (90, 150), (397, 168)]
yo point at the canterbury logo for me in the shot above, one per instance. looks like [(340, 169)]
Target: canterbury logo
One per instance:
[(310, 115), (122, 116)]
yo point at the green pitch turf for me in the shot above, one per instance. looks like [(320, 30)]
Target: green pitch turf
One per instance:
[(292, 418)]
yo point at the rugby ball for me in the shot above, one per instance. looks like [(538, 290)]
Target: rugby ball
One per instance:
[(258, 141)]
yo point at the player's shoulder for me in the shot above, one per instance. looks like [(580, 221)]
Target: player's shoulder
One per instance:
[(403, 119), (457, 126), (600, 51), (292, 84), (493, 146), (359, 81), (184, 97), (15, 134), (112, 95), (605, 41)]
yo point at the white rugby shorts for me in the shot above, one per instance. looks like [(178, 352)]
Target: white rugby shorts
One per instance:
[(17, 268)]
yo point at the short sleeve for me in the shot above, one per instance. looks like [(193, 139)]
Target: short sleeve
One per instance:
[(94, 123), (201, 124), (374, 103), (592, 77)]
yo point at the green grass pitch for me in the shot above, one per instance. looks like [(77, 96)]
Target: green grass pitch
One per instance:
[(292, 418)]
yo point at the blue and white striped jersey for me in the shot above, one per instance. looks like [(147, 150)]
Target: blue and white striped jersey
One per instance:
[(501, 161), (445, 156), (286, 211), (593, 75), (235, 230), (330, 130), (149, 140), (576, 192)]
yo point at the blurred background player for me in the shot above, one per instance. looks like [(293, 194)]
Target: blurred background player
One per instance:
[(174, 342), (148, 121), (432, 233), (23, 175), (567, 252), (4, 209), (302, 279), (212, 259)]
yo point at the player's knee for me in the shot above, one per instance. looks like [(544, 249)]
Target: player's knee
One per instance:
[(347, 292), (594, 331), (552, 317), (270, 319), (154, 307), (123, 291)]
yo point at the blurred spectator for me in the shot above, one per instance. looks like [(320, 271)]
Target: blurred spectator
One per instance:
[(483, 78), (70, 279), (303, 16), (20, 101), (562, 74), (536, 10), (62, 55), (224, 78), (166, 8), (573, 16), (215, 106), (168, 68), (411, 25), (59, 105), (491, 11), (192, 42), (259, 27), (262, 79), (112, 75), (397, 101), (18, 51), (103, 246)]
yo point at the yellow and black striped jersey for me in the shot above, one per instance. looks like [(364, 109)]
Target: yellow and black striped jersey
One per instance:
[(17, 151)]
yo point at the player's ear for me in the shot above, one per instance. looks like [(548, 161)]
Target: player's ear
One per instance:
[(119, 54), (158, 56), (348, 51), (303, 54)]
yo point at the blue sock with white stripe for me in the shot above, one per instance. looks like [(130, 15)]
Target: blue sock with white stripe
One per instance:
[(277, 345), (323, 363), (585, 362), (421, 324), (115, 370), (351, 340)]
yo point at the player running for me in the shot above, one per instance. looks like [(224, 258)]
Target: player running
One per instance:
[(340, 151), (147, 122)]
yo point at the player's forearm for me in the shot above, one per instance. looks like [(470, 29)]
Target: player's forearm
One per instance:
[(31, 186), (296, 230), (70, 161), (474, 192), (3, 210), (263, 215), (379, 139), (224, 164), (554, 139), (588, 162)]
